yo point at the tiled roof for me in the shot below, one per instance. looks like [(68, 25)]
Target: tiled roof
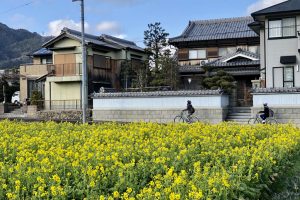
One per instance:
[(276, 90), (217, 29), (284, 7), (159, 93), (222, 62), (191, 68), (121, 42), (103, 40), (41, 52), (90, 38)]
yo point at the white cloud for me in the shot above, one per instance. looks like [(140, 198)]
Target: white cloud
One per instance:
[(109, 27), (261, 4), (56, 26)]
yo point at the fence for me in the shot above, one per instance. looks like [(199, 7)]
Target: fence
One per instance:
[(58, 104)]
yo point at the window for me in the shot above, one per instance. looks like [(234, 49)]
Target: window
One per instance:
[(197, 54), (283, 77), (46, 61), (288, 78), (101, 62), (282, 28), (254, 49), (227, 50)]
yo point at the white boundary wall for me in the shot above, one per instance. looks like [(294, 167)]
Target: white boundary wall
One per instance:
[(286, 106), (158, 107)]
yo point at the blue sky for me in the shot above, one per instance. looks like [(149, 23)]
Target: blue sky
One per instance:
[(123, 18)]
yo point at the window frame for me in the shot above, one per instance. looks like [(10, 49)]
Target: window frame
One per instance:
[(283, 75), (198, 58), (281, 28)]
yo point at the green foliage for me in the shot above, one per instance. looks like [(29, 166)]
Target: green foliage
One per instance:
[(36, 98), (221, 80), (161, 64)]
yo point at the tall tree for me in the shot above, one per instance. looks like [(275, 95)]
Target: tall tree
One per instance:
[(155, 40), (163, 65)]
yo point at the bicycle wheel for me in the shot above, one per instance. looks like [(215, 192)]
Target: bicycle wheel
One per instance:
[(271, 121), (194, 119), (253, 120), (178, 119)]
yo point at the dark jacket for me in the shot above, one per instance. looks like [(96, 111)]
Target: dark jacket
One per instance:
[(266, 111), (190, 109)]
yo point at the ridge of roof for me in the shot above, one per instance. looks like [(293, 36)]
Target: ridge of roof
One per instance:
[(223, 20)]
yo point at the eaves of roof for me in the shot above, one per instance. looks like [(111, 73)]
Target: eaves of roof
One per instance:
[(281, 8)]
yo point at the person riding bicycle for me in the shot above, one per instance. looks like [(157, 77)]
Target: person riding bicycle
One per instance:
[(190, 109), (265, 113)]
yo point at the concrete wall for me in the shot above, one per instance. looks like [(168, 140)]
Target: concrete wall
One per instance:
[(162, 109), (275, 48), (63, 95), (30, 72), (286, 106)]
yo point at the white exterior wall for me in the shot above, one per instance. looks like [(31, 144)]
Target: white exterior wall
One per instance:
[(161, 109), (162, 103), (277, 99), (275, 48)]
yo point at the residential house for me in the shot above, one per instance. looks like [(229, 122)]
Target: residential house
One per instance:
[(278, 27), (56, 69), (227, 44)]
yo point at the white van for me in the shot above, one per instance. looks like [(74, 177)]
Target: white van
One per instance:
[(16, 97)]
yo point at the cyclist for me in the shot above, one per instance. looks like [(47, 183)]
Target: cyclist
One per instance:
[(190, 109), (265, 113)]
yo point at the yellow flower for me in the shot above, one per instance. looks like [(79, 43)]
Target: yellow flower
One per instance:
[(56, 178), (116, 194), (92, 184), (9, 195)]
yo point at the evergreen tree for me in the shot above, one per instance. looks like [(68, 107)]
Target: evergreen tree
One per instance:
[(221, 80), (163, 66)]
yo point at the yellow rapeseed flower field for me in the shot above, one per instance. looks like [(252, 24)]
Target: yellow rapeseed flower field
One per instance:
[(141, 160)]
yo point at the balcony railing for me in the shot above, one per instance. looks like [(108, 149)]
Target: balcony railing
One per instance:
[(69, 69)]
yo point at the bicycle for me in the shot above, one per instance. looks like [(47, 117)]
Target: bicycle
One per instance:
[(184, 118), (258, 120)]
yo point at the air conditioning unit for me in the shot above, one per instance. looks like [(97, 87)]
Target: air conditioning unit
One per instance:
[(203, 62)]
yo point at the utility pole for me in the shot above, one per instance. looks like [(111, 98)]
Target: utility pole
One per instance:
[(84, 89)]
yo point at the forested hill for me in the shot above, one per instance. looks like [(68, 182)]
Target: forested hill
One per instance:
[(15, 44)]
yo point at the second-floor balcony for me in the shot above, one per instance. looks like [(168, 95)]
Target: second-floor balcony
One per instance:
[(60, 70), (69, 69)]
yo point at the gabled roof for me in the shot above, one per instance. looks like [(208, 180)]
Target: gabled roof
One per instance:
[(103, 40), (249, 59), (217, 29), (284, 7)]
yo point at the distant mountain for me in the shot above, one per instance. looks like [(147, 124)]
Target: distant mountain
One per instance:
[(16, 44)]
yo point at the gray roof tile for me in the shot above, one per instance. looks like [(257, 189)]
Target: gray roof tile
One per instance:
[(216, 29), (41, 52), (103, 40), (221, 61), (276, 90), (284, 7), (159, 93)]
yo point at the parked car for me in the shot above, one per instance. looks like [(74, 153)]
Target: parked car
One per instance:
[(16, 97)]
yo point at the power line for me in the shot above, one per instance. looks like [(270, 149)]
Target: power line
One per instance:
[(17, 7)]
